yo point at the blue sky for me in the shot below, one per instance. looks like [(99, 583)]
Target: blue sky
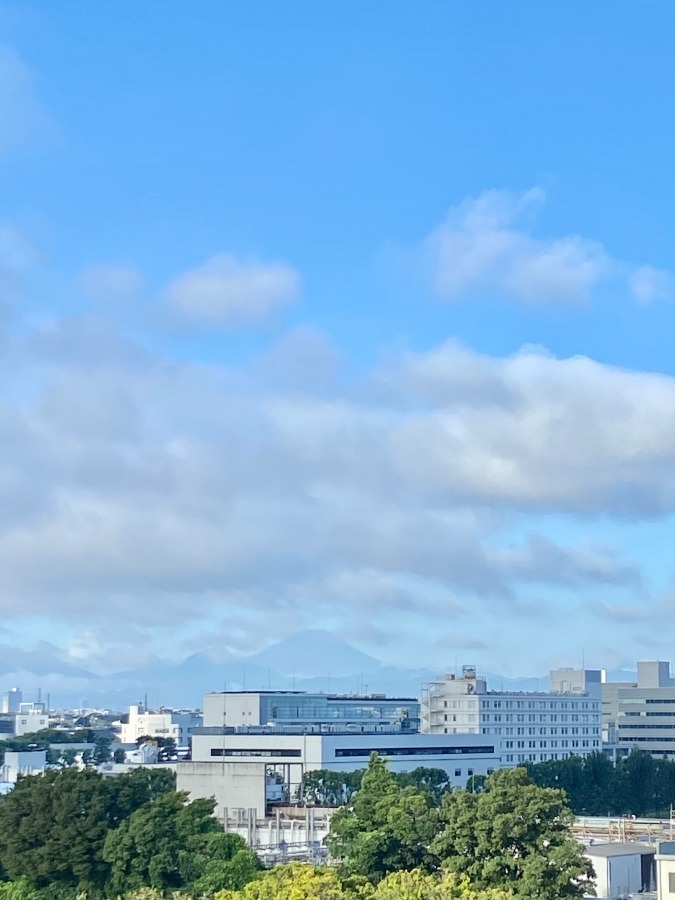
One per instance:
[(353, 316)]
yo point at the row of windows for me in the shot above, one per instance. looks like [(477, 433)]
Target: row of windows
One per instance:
[(414, 751), (564, 717), (543, 745), (537, 704), (536, 757), (541, 731), (623, 727), (221, 751)]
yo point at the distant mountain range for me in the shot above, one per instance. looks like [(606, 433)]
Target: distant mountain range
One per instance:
[(308, 661)]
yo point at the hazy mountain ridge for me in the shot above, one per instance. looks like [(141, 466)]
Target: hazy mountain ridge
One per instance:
[(308, 661)]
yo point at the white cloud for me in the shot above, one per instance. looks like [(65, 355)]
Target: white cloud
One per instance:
[(21, 115), (110, 284), (481, 246), (226, 292), (649, 285)]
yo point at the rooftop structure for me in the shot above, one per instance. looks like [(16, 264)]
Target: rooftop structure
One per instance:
[(297, 708)]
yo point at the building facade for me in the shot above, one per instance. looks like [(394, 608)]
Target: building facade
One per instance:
[(528, 727), (256, 768), (280, 708), (178, 725), (642, 714)]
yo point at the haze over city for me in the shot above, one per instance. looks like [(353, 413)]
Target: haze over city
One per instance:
[(341, 318)]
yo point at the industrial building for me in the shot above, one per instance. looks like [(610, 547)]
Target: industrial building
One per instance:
[(528, 727)]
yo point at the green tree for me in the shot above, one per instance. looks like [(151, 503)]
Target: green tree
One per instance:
[(171, 844), (53, 827), (386, 828), (434, 782), (416, 885), (513, 835), (324, 787), (296, 881)]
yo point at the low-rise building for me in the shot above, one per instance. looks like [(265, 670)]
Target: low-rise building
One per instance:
[(164, 723), (253, 768), (622, 869)]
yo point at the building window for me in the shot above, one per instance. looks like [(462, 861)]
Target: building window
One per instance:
[(458, 773), (671, 882)]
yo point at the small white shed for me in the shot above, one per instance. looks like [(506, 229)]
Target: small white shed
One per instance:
[(622, 868)]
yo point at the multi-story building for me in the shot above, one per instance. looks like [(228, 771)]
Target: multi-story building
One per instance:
[(11, 700), (255, 748), (529, 727), (164, 723), (288, 708), (641, 714)]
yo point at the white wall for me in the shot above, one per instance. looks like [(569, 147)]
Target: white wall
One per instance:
[(233, 785)]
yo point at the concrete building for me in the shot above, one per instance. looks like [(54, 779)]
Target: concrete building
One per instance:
[(25, 762), (30, 718), (253, 769), (528, 727), (279, 708), (11, 700), (163, 723), (641, 714), (622, 869)]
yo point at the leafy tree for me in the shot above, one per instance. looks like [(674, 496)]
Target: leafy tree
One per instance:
[(425, 779), (296, 881), (416, 885), (171, 844), (385, 829), (513, 835), (324, 787), (119, 755), (53, 827)]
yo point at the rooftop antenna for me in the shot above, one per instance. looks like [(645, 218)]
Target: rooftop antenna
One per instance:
[(39, 699), (145, 702)]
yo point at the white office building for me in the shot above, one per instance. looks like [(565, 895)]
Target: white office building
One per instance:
[(252, 769), (30, 718), (641, 714), (163, 723), (528, 727), (369, 712)]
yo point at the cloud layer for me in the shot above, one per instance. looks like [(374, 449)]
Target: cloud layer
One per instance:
[(139, 490), (226, 292), (486, 245)]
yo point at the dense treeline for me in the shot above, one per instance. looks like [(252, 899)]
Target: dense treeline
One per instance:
[(70, 832), (638, 785), (42, 740)]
